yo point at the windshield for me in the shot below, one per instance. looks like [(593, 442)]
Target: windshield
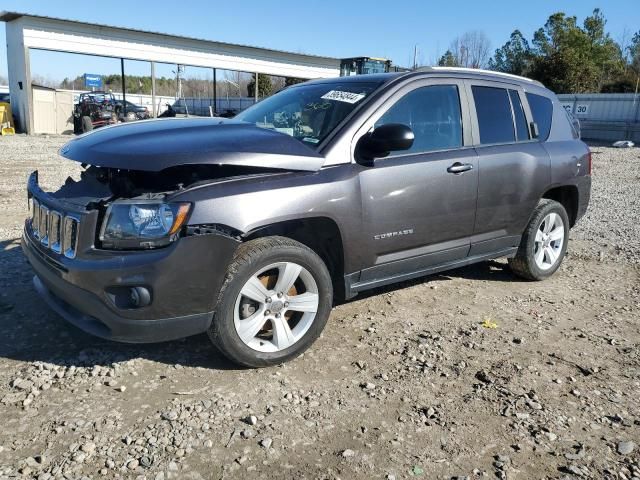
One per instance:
[(309, 113)]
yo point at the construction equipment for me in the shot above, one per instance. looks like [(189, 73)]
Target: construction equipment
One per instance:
[(366, 65), (6, 119)]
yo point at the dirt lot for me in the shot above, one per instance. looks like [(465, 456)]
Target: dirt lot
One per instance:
[(405, 382)]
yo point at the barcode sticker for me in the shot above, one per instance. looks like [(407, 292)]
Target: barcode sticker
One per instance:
[(347, 97)]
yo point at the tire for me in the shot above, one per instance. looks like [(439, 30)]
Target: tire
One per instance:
[(540, 253), (266, 260), (87, 126)]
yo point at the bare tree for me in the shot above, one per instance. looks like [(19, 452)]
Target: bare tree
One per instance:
[(471, 49)]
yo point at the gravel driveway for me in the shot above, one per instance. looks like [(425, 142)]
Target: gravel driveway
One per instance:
[(405, 381)]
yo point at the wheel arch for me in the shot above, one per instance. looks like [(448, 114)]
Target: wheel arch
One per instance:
[(320, 234), (569, 197)]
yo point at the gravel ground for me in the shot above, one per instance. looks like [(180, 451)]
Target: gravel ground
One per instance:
[(405, 381)]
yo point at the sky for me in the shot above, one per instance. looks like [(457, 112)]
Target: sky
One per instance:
[(328, 27)]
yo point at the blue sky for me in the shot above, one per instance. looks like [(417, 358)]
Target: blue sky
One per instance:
[(329, 27)]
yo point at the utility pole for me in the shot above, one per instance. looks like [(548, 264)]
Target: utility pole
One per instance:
[(415, 56)]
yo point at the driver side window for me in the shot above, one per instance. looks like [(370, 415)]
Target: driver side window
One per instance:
[(434, 115)]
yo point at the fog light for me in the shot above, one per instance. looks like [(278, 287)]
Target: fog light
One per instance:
[(139, 297)]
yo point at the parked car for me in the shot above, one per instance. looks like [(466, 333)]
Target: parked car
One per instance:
[(5, 97), (133, 112), (251, 228), (94, 109)]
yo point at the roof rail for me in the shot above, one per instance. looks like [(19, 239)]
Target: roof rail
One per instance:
[(478, 70)]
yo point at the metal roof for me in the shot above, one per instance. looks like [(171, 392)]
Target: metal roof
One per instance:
[(7, 16)]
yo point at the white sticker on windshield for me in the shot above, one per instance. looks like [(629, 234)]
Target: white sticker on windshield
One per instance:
[(347, 97)]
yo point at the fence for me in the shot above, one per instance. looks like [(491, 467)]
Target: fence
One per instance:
[(606, 116)]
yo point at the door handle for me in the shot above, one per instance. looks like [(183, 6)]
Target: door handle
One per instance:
[(458, 168)]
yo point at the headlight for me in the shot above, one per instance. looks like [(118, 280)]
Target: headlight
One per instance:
[(141, 224)]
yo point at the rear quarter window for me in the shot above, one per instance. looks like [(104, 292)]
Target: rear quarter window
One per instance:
[(495, 119), (542, 110)]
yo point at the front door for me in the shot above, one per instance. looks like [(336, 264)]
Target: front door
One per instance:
[(419, 205)]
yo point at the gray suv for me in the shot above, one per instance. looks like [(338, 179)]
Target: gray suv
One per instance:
[(251, 228)]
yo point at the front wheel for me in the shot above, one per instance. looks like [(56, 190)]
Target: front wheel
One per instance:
[(544, 242), (274, 303)]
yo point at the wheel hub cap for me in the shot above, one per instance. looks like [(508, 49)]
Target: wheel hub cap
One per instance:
[(549, 241), (284, 301)]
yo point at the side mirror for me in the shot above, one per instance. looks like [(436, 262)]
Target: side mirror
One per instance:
[(384, 140)]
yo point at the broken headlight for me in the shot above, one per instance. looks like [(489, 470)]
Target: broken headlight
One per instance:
[(142, 224)]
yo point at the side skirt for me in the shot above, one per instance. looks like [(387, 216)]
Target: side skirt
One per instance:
[(353, 285)]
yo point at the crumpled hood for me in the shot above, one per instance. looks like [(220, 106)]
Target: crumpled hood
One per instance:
[(153, 145)]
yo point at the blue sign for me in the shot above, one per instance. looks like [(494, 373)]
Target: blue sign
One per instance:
[(92, 80)]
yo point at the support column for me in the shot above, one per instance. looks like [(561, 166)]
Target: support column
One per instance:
[(153, 89), (124, 89), (255, 90), (215, 93), (19, 78)]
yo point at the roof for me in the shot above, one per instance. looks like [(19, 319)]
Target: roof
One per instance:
[(479, 72), (6, 16)]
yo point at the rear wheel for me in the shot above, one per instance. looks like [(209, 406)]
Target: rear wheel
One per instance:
[(87, 126), (274, 303), (544, 243)]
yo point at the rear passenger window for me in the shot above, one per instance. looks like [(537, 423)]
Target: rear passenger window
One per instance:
[(542, 111), (434, 115), (494, 115), (518, 112)]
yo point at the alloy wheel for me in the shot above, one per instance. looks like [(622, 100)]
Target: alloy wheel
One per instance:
[(276, 307), (549, 241)]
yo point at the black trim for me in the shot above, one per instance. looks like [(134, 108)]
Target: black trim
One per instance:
[(353, 285)]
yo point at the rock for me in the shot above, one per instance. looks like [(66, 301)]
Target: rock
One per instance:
[(170, 415), (369, 386), (266, 443), (121, 388), (88, 447), (251, 420), (348, 453), (247, 433), (626, 447), (133, 464)]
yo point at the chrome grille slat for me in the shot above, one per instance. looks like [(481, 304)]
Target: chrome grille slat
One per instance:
[(43, 225), (70, 236), (55, 230), (55, 220)]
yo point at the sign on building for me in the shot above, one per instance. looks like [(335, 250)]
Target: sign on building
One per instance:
[(582, 109), (92, 81)]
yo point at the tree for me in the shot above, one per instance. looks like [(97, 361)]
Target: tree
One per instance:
[(448, 60), (634, 53), (573, 59), (514, 56), (265, 87), (470, 50)]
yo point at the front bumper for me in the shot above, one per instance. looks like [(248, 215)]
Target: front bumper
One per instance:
[(184, 280)]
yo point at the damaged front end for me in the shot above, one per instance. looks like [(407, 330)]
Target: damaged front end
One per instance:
[(107, 258), (124, 209)]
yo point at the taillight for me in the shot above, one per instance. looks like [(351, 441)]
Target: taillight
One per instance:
[(589, 160)]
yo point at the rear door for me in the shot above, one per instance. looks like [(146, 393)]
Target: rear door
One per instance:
[(514, 168), (417, 210)]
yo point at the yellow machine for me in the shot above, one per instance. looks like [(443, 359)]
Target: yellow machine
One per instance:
[(6, 119)]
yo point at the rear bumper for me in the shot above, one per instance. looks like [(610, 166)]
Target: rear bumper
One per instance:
[(584, 195), (184, 280)]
